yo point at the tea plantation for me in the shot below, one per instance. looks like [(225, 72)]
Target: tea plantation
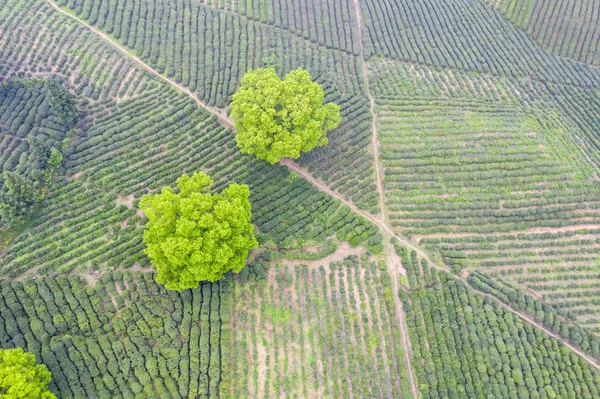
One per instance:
[(443, 243)]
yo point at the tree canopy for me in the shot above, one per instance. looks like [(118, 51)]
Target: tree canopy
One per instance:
[(21, 378), (277, 118), (16, 202), (194, 235), (61, 101)]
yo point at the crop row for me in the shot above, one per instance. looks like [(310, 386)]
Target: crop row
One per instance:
[(442, 164), (38, 43), (205, 49), (583, 108), (330, 23), (82, 227), (392, 80), (97, 72), (304, 331), (493, 174), (556, 265), (566, 28), (554, 317), (208, 50), (465, 35), (467, 345), (125, 337), (29, 128), (135, 124)]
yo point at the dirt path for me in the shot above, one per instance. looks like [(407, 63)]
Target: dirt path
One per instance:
[(323, 187), (221, 114), (393, 271), (392, 262), (317, 183), (528, 319), (375, 141), (392, 266), (8, 132), (343, 251)]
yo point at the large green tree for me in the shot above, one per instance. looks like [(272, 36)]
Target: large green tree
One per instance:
[(21, 378), (194, 235), (277, 118)]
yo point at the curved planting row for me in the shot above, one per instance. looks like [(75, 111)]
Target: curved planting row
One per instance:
[(208, 50), (467, 345), (330, 23), (29, 126), (124, 337), (495, 174), (131, 123), (554, 316)]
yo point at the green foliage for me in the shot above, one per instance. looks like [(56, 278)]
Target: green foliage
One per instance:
[(125, 333), (194, 235), (552, 316), (277, 118), (466, 345), (17, 201), (56, 158), (61, 101), (316, 316), (21, 378), (578, 26)]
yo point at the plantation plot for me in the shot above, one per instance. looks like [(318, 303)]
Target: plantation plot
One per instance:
[(126, 336), (465, 35), (502, 187), (316, 332), (209, 49), (136, 136), (467, 345), (328, 23), (461, 138), (29, 127), (566, 28), (553, 316), (582, 106), (41, 44)]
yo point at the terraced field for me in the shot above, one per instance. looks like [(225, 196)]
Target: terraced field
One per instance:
[(317, 331), (113, 158), (445, 243), (567, 28), (468, 345), (207, 49), (503, 187)]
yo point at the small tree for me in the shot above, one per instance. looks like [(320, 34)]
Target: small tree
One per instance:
[(61, 101), (17, 201), (194, 235), (55, 159), (277, 118), (21, 378)]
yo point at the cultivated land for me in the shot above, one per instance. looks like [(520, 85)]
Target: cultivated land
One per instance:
[(443, 244)]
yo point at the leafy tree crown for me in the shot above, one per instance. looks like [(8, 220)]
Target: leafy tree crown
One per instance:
[(17, 200), (277, 118), (21, 378), (194, 235)]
